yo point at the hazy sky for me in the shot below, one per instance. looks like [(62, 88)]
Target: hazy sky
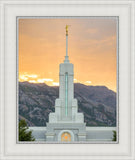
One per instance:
[(91, 48)]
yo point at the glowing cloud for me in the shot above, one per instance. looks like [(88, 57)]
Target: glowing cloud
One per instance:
[(75, 80), (55, 84), (32, 81), (40, 81), (23, 78), (87, 82), (48, 80), (32, 76), (44, 80)]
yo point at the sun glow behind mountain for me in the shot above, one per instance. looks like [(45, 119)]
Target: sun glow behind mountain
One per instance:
[(92, 49), (33, 78)]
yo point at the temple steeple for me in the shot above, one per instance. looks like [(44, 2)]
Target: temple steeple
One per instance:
[(66, 120)]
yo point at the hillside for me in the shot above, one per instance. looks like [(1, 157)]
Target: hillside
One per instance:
[(36, 101)]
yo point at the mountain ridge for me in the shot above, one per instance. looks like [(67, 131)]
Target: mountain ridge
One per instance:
[(36, 101)]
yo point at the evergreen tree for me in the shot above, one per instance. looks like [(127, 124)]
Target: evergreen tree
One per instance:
[(114, 136), (24, 134)]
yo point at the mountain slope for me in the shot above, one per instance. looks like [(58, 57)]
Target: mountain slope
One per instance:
[(36, 101)]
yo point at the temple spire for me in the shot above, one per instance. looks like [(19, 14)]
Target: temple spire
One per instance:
[(66, 57)]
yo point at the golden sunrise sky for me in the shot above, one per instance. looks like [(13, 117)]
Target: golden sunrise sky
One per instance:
[(91, 48)]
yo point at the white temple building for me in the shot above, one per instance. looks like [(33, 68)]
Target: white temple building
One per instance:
[(66, 124)]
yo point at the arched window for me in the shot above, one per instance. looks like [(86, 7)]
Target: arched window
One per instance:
[(65, 137)]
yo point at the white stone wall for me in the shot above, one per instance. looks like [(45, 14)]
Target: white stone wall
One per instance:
[(93, 134)]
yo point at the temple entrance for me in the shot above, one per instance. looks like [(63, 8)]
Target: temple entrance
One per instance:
[(66, 137)]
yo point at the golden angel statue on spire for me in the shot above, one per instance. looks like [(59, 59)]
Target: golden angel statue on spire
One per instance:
[(67, 30)]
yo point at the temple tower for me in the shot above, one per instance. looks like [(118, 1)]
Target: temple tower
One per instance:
[(66, 124)]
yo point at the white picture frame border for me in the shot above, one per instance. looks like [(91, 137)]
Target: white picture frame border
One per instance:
[(8, 147)]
